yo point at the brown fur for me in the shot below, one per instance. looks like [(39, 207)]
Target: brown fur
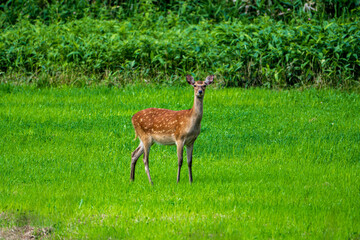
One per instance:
[(169, 127)]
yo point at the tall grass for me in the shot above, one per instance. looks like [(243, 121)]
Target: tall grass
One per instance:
[(12, 11), (264, 52), (268, 164), (246, 43)]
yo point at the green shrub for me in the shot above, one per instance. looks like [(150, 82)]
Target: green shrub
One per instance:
[(13, 11), (264, 52), (161, 40)]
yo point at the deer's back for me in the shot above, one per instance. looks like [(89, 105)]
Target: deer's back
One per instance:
[(160, 121)]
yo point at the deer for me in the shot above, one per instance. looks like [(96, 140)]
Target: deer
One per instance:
[(168, 127)]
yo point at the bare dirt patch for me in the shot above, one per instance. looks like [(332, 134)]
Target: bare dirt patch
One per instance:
[(24, 233), (23, 230)]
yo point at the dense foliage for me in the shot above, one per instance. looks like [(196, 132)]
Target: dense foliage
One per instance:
[(50, 11), (245, 43)]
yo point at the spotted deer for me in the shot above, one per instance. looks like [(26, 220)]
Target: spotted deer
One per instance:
[(167, 127)]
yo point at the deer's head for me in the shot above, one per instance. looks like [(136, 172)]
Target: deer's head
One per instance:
[(200, 86)]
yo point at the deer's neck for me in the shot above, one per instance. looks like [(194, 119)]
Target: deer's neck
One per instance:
[(197, 110)]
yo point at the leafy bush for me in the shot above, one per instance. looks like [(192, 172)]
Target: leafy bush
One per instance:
[(122, 40), (265, 52), (12, 11)]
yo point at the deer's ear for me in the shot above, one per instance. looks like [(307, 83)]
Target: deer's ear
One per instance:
[(209, 79), (190, 79)]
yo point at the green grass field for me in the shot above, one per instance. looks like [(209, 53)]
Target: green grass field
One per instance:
[(268, 164)]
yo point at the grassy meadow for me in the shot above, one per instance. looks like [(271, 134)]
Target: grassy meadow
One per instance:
[(268, 164)]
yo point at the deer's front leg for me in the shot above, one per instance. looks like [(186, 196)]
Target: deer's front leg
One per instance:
[(189, 152), (180, 150)]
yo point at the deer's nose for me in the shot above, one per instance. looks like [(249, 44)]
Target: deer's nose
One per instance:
[(200, 91)]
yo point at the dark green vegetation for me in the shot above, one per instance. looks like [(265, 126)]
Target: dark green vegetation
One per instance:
[(268, 164), (246, 43)]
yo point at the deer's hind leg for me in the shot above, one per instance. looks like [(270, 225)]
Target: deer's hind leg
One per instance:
[(147, 144), (134, 157)]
